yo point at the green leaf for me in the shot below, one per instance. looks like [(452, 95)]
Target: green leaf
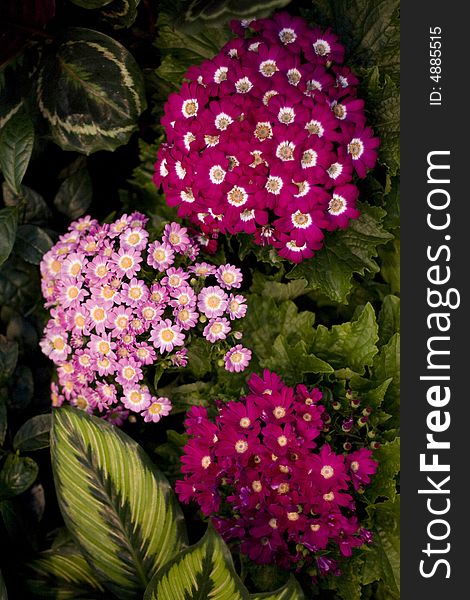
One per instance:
[(8, 358), (32, 207), (349, 583), (17, 475), (121, 13), (16, 147), (74, 195), (180, 50), (91, 91), (279, 291), (291, 362), (389, 318), (19, 283), (347, 251), (383, 483), (119, 509), (90, 4), (202, 571), (195, 14), (387, 365), (290, 591), (351, 345), (382, 560), (383, 102), (370, 29), (3, 421), (199, 358), (3, 589), (8, 225), (34, 434), (32, 243), (62, 573), (390, 269)]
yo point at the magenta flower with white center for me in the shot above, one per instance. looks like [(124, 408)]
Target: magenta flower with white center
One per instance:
[(271, 481), (112, 321), (281, 90)]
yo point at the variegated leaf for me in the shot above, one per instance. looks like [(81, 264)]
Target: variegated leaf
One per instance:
[(290, 591), (203, 571), (199, 13), (62, 573), (91, 91), (121, 13), (118, 507)]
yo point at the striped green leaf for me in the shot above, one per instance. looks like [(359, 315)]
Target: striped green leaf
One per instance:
[(202, 572), (62, 573), (16, 147), (290, 591), (118, 507), (91, 91), (199, 13), (90, 4), (121, 13)]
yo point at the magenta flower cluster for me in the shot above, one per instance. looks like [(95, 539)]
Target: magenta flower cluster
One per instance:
[(265, 138), (263, 474), (120, 303)]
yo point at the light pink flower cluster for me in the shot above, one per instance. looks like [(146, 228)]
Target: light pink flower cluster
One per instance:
[(265, 137), (120, 303)]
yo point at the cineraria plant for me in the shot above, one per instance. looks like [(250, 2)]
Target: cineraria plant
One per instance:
[(271, 482), (265, 138), (120, 303)]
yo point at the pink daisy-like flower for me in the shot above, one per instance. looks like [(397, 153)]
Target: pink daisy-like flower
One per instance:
[(160, 407), (166, 335), (212, 301), (229, 276), (136, 398), (176, 236), (217, 329), (236, 306), (237, 359), (127, 262), (160, 256)]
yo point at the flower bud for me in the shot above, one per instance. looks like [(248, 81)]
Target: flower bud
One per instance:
[(362, 421), (367, 411), (220, 362), (371, 434), (347, 425), (202, 319), (347, 446), (238, 335), (355, 402), (336, 405), (375, 445)]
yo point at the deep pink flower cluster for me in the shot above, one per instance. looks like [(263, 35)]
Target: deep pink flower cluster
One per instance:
[(263, 474), (265, 137), (120, 303)]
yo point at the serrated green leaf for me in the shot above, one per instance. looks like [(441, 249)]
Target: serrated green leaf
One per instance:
[(291, 362), (32, 207), (383, 484), (351, 344), (62, 573), (32, 243), (202, 571), (382, 560), (196, 14), (16, 147), (389, 318), (285, 291), (181, 50), (383, 102), (91, 91), (3, 589), (387, 365), (8, 226), (34, 434), (347, 251), (74, 195), (370, 29), (17, 475), (290, 591), (8, 358), (121, 13), (118, 507), (199, 358), (348, 584)]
